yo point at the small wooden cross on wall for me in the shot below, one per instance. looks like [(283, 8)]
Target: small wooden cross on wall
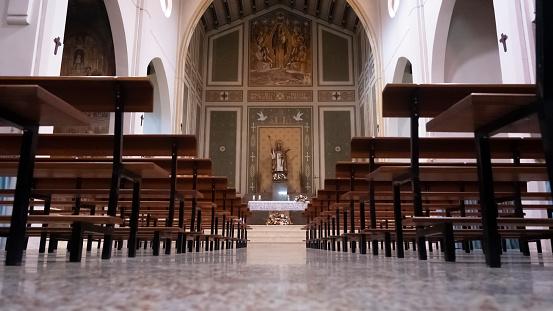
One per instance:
[(141, 119), (57, 41), (504, 41)]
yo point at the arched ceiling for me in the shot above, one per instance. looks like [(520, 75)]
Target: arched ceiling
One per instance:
[(222, 12)]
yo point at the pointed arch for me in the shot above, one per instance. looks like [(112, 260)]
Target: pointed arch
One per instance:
[(119, 37), (158, 122)]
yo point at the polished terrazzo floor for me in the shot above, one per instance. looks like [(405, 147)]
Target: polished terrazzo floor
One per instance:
[(276, 277)]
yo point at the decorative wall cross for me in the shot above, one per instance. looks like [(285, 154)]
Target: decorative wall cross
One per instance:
[(503, 40), (57, 41)]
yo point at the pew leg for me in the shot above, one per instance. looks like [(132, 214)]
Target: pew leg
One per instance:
[(168, 243), (190, 246), (414, 245), (363, 244), (538, 246), (106, 250), (42, 246), (353, 246), (89, 243), (524, 246), (179, 243), (387, 244), (504, 245), (156, 243), (375, 247), (52, 244), (207, 245), (344, 245), (466, 246), (76, 250), (430, 247), (448, 246), (198, 244)]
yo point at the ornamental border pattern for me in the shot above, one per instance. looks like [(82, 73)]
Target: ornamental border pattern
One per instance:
[(337, 96), (223, 96)]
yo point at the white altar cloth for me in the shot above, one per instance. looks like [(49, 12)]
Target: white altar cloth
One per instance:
[(277, 206)]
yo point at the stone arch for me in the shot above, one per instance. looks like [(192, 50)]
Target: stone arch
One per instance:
[(403, 72), (159, 121), (472, 52), (202, 5), (119, 37), (440, 41)]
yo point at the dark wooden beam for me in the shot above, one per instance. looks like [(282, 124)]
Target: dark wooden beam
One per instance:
[(227, 11), (318, 12), (204, 22), (214, 15), (331, 11), (241, 8), (345, 15)]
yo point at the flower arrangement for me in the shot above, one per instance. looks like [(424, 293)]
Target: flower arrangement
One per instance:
[(300, 198), (278, 219)]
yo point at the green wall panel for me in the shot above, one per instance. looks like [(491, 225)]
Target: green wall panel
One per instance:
[(337, 133), (335, 57), (222, 144), (225, 58)]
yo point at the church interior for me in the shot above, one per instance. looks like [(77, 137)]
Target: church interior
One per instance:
[(276, 154)]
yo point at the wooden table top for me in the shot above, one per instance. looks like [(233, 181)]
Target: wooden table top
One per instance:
[(434, 99), (456, 173), (502, 221), (98, 194), (98, 145), (444, 147), (479, 109), (31, 104), (84, 169), (68, 219), (94, 94)]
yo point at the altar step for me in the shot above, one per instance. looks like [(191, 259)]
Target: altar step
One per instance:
[(291, 234)]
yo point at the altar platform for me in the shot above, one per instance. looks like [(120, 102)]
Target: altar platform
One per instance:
[(277, 206)]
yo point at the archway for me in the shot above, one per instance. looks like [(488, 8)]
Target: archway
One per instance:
[(119, 39), (472, 53), (404, 71), (440, 41), (158, 122), (402, 74), (193, 10)]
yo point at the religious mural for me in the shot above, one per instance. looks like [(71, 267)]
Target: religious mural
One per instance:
[(88, 53), (83, 55), (287, 129), (280, 52)]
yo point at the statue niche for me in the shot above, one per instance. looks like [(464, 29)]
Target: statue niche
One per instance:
[(279, 162)]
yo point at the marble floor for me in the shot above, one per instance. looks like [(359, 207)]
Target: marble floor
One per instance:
[(276, 277)]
